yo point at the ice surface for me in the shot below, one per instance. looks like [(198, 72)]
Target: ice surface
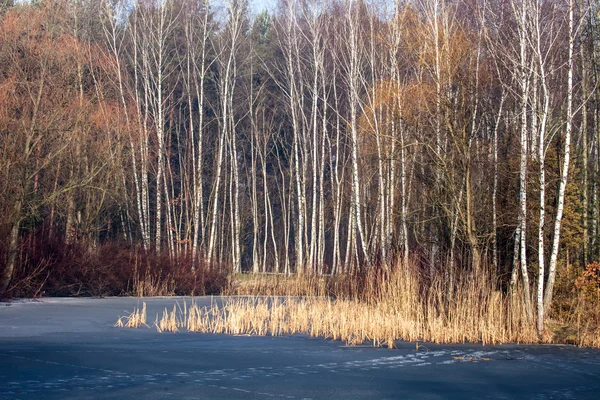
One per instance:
[(70, 349)]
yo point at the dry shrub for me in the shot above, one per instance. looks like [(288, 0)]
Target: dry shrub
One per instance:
[(576, 308), (51, 267), (587, 284), (160, 275)]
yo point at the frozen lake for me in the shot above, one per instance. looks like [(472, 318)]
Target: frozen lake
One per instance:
[(69, 349)]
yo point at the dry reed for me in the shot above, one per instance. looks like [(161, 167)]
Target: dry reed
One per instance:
[(152, 284), (279, 285), (134, 320), (399, 305)]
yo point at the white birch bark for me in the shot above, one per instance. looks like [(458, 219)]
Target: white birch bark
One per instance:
[(199, 74), (311, 14), (584, 136), (495, 185), (565, 167), (336, 184), (521, 13), (216, 188), (291, 54), (115, 44), (541, 148), (324, 137), (254, 195), (354, 56)]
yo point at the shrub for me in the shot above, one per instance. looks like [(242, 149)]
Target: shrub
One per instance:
[(50, 267), (576, 307)]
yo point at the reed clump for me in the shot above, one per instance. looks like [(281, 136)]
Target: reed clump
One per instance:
[(152, 284), (170, 321), (280, 285), (135, 319), (397, 304)]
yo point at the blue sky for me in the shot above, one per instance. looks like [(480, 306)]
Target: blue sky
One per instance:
[(257, 6)]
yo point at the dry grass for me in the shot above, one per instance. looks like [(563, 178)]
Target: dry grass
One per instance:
[(397, 308), (134, 320), (170, 321), (281, 285), (399, 305), (152, 284), (307, 285)]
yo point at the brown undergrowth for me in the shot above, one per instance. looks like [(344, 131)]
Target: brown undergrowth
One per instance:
[(47, 267), (575, 315)]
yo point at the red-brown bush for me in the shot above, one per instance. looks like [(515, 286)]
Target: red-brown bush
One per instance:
[(51, 267)]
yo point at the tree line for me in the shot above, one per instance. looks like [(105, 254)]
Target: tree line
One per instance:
[(327, 137)]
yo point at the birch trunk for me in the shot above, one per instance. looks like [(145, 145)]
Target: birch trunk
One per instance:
[(354, 82), (495, 188), (565, 168), (524, 87), (198, 155), (545, 98), (584, 135), (290, 48)]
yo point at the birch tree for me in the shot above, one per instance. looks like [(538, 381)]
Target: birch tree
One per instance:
[(565, 166), (354, 33), (197, 34), (521, 13)]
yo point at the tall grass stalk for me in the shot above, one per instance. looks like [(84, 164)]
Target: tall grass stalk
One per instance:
[(136, 319), (400, 304), (395, 306)]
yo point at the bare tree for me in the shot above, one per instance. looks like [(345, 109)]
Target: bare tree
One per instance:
[(565, 167)]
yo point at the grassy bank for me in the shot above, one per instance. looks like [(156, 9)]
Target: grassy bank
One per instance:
[(398, 305)]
